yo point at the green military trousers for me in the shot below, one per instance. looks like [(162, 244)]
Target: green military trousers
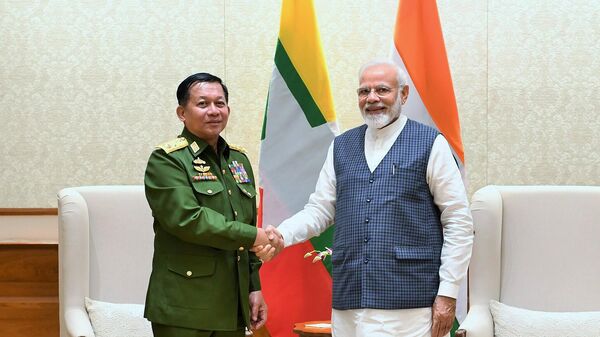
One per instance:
[(160, 330)]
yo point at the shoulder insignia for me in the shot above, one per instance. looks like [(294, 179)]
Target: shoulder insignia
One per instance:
[(173, 145), (238, 149)]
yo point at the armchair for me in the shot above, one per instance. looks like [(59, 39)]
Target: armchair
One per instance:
[(105, 250), (536, 247)]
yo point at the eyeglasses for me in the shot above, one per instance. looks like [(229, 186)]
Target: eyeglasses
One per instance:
[(380, 90)]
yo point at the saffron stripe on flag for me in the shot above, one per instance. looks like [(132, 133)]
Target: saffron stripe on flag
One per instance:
[(419, 49)]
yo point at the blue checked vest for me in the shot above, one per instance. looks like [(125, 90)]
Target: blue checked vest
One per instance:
[(388, 236)]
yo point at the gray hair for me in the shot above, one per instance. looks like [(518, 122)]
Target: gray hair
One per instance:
[(401, 76)]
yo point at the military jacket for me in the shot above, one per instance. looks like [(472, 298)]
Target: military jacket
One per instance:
[(204, 209)]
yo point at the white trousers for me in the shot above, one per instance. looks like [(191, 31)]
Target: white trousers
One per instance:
[(381, 323)]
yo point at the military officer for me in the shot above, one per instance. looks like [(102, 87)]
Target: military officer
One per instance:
[(204, 280)]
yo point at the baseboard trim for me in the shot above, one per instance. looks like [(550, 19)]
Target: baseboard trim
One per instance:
[(28, 211)]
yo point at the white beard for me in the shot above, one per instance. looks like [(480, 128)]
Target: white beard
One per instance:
[(380, 121)]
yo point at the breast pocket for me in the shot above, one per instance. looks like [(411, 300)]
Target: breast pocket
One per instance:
[(247, 203), (210, 194)]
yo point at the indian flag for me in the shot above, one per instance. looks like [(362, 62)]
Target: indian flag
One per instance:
[(299, 125), (419, 49)]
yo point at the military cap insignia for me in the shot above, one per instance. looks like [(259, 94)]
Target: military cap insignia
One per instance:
[(239, 172), (173, 145)]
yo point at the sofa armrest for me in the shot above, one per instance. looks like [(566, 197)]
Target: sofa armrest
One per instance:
[(77, 323), (478, 322)]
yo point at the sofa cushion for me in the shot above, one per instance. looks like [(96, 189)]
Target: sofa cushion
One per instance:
[(117, 320), (512, 322)]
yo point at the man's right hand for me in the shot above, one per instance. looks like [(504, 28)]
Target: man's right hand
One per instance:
[(262, 238), (272, 248)]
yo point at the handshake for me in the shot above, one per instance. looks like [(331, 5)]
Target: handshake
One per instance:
[(268, 243)]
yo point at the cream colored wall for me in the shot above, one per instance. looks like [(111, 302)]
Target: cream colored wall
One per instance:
[(88, 86)]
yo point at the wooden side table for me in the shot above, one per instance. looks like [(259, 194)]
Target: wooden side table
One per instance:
[(305, 330)]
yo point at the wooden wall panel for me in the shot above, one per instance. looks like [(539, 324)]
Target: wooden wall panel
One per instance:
[(29, 290)]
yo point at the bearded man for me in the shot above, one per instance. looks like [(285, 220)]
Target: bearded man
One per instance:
[(403, 229)]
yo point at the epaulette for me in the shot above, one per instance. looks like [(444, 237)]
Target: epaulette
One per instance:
[(173, 145), (238, 149)]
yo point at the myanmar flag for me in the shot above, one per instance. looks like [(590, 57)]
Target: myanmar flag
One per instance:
[(299, 125), (419, 49)]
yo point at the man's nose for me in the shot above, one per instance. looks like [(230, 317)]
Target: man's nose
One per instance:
[(213, 109), (372, 97)]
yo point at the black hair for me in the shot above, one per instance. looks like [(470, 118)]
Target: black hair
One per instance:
[(183, 90)]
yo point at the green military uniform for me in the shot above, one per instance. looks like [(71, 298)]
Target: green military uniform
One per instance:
[(204, 210)]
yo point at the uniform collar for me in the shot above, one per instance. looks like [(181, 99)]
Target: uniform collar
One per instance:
[(197, 145)]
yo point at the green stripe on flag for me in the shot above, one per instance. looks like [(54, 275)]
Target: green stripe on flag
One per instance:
[(297, 87), (321, 242), (454, 328), (264, 126)]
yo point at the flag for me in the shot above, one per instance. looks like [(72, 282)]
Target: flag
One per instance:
[(298, 127), (419, 49)]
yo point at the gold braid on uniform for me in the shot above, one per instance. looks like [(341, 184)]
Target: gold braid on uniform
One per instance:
[(173, 145), (238, 149)]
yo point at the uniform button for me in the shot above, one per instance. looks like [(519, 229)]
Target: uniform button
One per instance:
[(223, 171), (189, 273), (367, 220), (366, 261), (235, 212), (209, 191), (241, 249), (229, 191), (239, 258), (368, 199)]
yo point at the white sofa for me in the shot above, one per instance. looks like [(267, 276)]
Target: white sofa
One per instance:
[(536, 247), (105, 250)]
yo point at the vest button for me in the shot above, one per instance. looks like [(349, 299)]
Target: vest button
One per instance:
[(366, 261), (371, 181)]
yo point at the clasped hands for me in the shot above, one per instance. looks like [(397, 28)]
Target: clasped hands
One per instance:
[(268, 243)]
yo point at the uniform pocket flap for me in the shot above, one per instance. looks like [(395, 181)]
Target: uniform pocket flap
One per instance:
[(416, 253), (192, 266), (247, 190), (208, 187)]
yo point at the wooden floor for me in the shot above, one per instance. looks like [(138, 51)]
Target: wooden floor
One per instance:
[(29, 290)]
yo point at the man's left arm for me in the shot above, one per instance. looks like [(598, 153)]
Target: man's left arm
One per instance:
[(448, 191)]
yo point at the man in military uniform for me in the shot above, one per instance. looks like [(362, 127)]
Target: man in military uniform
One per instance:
[(204, 280)]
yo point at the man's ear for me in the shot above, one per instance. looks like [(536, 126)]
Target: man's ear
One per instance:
[(404, 94), (180, 114)]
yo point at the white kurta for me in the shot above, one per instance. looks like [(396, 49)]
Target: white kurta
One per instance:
[(446, 187)]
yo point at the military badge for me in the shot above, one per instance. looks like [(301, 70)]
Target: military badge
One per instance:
[(203, 171), (201, 176), (202, 168), (239, 172), (195, 147)]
